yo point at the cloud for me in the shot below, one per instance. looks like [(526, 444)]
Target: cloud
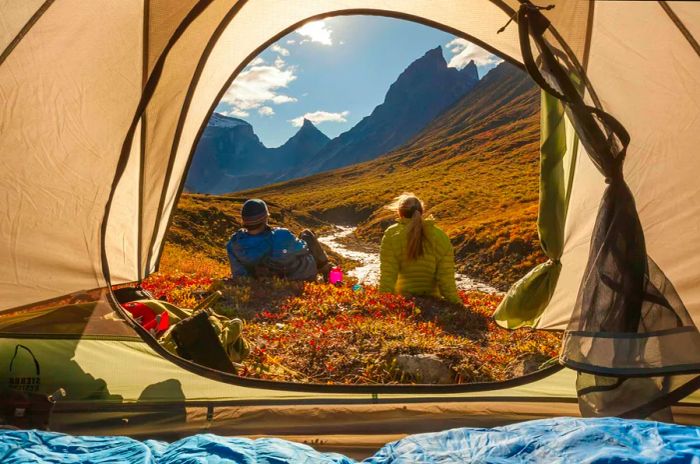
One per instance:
[(291, 42), (318, 117), (281, 50), (279, 63), (260, 84), (257, 62), (237, 113), (266, 111), (465, 51), (316, 31), (279, 99)]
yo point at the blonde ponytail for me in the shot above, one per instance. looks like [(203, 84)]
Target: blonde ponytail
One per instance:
[(410, 207), (414, 233)]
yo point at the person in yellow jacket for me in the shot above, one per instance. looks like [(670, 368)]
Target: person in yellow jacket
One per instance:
[(416, 256)]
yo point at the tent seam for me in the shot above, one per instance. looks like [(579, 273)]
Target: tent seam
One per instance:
[(681, 27), (125, 153), (25, 29), (142, 147)]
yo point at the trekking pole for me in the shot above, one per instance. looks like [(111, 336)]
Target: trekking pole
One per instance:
[(208, 301)]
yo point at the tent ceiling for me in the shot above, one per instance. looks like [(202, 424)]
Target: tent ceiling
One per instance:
[(73, 84)]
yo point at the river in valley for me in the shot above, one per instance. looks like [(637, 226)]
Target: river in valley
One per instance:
[(367, 272)]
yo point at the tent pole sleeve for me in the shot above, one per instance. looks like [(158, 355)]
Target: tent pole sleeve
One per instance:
[(526, 300)]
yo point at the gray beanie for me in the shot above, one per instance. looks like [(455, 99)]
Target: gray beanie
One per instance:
[(254, 213)]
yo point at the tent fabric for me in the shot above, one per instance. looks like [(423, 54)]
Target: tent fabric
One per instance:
[(628, 318), (660, 113), (96, 368), (110, 378), (553, 440)]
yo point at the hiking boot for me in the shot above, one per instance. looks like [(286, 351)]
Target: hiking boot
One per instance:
[(325, 271)]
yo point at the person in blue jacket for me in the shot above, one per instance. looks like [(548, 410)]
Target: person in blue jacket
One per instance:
[(258, 250)]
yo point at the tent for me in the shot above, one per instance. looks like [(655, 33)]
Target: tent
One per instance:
[(103, 103)]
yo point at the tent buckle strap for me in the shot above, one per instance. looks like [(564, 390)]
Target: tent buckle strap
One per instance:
[(524, 4), (532, 6), (507, 24)]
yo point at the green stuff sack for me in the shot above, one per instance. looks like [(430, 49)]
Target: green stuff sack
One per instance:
[(208, 339), (196, 340)]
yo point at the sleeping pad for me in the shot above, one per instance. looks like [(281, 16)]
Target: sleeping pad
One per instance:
[(560, 440)]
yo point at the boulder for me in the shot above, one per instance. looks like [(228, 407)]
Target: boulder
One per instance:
[(527, 364), (425, 368)]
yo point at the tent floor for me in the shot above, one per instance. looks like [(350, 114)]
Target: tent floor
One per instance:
[(356, 430)]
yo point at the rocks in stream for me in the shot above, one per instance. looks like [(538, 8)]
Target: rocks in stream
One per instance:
[(425, 368)]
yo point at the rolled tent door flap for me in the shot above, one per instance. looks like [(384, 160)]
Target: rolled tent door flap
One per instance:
[(528, 298)]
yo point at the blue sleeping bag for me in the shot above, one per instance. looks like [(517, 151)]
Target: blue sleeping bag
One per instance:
[(562, 440)]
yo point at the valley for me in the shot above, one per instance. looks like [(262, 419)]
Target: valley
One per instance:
[(475, 167)]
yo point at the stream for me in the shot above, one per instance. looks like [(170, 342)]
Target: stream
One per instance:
[(367, 272)]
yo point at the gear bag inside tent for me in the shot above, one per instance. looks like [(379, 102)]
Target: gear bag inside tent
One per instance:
[(104, 103)]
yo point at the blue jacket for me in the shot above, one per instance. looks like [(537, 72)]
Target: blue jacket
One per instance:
[(277, 250)]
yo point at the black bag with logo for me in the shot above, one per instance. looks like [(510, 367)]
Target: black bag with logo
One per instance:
[(21, 404)]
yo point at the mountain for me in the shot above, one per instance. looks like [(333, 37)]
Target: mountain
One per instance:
[(227, 145), (300, 148), (476, 166), (425, 89), (230, 157)]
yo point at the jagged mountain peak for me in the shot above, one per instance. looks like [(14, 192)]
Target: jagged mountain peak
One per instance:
[(426, 88), (470, 71), (308, 130), (434, 54), (431, 61)]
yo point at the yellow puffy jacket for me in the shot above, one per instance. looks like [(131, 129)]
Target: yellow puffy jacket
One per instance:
[(433, 273)]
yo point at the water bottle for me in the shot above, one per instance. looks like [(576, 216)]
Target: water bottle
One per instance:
[(335, 277)]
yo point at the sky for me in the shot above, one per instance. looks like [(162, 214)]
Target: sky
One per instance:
[(334, 72)]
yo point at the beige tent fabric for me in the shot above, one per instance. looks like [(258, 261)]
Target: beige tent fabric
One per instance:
[(162, 115), (14, 16), (647, 76), (162, 17), (688, 14), (69, 89)]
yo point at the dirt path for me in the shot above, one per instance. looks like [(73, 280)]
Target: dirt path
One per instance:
[(367, 271)]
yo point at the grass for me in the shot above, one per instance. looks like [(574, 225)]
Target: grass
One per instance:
[(314, 332)]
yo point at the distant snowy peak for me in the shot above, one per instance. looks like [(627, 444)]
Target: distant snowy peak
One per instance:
[(219, 120)]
